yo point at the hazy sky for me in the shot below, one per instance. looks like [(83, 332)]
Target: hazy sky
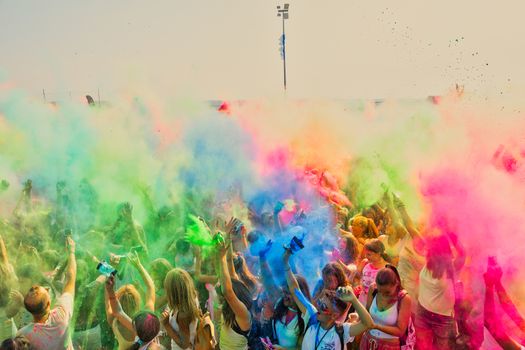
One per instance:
[(229, 48)]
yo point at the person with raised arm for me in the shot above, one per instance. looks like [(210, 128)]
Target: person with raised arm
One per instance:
[(49, 329), (236, 318), (126, 301), (322, 332)]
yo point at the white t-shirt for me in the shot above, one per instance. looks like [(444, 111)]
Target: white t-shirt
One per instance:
[(53, 334), (436, 295), (326, 339)]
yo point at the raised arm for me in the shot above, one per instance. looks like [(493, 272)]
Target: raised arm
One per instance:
[(506, 303), (107, 304), (230, 231), (459, 256), (365, 320), (198, 269), (150, 286), (4, 259), (242, 314), (71, 270), (267, 276), (409, 225), (115, 307), (25, 199), (277, 225), (294, 288), (492, 319), (137, 233)]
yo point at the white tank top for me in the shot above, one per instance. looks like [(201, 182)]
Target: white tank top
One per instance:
[(386, 317), (175, 326)]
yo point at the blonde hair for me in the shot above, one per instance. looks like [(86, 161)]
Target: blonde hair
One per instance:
[(129, 299), (369, 227), (181, 293)]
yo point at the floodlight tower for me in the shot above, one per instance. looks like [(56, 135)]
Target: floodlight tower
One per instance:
[(283, 12)]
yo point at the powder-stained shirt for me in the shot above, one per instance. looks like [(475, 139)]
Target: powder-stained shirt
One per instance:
[(53, 334), (367, 279), (317, 338)]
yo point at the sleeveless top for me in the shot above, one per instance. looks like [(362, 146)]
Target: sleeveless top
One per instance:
[(175, 326), (232, 338), (386, 317)]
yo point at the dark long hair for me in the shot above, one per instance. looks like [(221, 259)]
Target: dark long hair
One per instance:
[(245, 275), (243, 294), (376, 246), (281, 309), (389, 275), (352, 248)]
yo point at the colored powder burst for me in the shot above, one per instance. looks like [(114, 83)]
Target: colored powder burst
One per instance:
[(198, 233), (444, 160)]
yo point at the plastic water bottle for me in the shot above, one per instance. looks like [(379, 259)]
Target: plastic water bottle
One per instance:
[(106, 269), (296, 244)]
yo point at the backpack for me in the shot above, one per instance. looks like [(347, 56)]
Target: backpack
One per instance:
[(408, 340), (203, 335)]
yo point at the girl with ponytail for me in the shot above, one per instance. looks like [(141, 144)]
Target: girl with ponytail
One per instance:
[(375, 260)]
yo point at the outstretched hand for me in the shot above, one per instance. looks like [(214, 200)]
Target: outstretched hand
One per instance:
[(127, 211), (221, 244), (70, 244), (16, 297), (28, 186), (346, 293), (134, 259), (493, 275)]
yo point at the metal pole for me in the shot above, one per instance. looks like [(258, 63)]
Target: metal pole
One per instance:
[(284, 55), (44, 94), (98, 92)]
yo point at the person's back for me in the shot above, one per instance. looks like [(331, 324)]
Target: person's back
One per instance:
[(436, 294), (53, 333), (49, 329), (232, 337)]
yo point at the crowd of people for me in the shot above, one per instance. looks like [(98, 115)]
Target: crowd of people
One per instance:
[(67, 284)]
